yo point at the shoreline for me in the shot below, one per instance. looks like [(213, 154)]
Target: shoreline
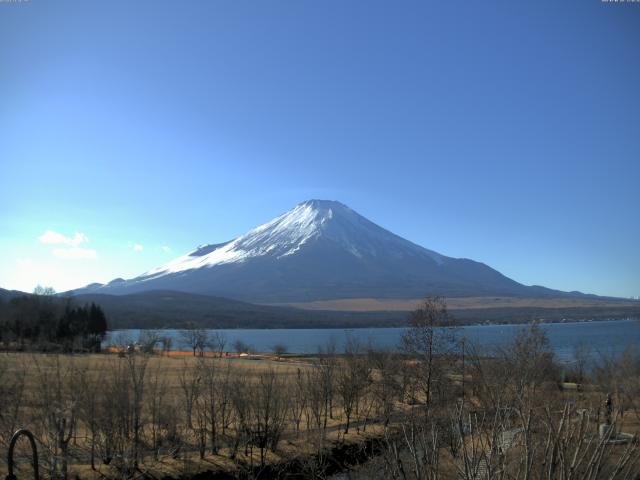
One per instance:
[(374, 327)]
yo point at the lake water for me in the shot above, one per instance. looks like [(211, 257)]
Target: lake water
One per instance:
[(603, 337)]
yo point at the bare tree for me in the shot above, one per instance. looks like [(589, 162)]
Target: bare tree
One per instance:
[(426, 339), (196, 339), (217, 342), (298, 397), (414, 452), (560, 447), (156, 400), (57, 405), (166, 343), (189, 380), (316, 392), (44, 291), (112, 411), (386, 385), (215, 392), (241, 347), (137, 365), (279, 349), (89, 385), (242, 404), (326, 365), (200, 415), (148, 340), (270, 407), (354, 375)]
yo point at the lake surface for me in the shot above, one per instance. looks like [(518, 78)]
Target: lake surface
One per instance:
[(603, 337)]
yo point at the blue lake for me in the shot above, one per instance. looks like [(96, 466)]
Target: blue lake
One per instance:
[(603, 337)]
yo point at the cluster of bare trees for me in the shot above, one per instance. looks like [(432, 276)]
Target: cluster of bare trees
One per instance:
[(129, 411), (507, 414), (197, 340), (200, 340), (439, 408)]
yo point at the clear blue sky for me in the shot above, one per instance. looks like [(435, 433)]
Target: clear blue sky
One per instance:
[(507, 132)]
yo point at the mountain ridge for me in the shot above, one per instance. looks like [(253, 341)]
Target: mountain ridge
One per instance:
[(321, 250)]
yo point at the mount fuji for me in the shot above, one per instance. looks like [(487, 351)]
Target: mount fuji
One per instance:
[(321, 250)]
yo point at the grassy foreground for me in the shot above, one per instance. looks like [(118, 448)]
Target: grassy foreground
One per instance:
[(175, 412), (416, 415)]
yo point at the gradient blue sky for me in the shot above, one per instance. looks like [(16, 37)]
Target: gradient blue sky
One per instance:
[(507, 132)]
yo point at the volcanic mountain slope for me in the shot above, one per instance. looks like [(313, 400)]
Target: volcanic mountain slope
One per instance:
[(321, 250)]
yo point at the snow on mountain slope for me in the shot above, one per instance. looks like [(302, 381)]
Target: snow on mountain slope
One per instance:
[(288, 233), (321, 250)]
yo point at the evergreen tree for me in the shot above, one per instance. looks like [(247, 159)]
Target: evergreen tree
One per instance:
[(43, 318)]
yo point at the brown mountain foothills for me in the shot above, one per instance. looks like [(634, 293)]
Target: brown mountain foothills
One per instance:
[(464, 303)]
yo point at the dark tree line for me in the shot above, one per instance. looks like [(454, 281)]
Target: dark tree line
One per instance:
[(45, 321)]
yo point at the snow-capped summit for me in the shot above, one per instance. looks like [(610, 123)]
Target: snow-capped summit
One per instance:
[(320, 249), (290, 232)]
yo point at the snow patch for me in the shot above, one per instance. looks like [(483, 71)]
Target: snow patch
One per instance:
[(291, 232)]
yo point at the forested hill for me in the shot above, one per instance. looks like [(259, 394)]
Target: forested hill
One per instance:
[(46, 321)]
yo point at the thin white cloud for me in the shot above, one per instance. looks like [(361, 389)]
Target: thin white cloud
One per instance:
[(54, 238), (72, 251), (137, 247), (75, 253), (165, 248)]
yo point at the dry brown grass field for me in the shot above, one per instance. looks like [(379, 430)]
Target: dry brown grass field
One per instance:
[(177, 415), (453, 303), (171, 369)]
